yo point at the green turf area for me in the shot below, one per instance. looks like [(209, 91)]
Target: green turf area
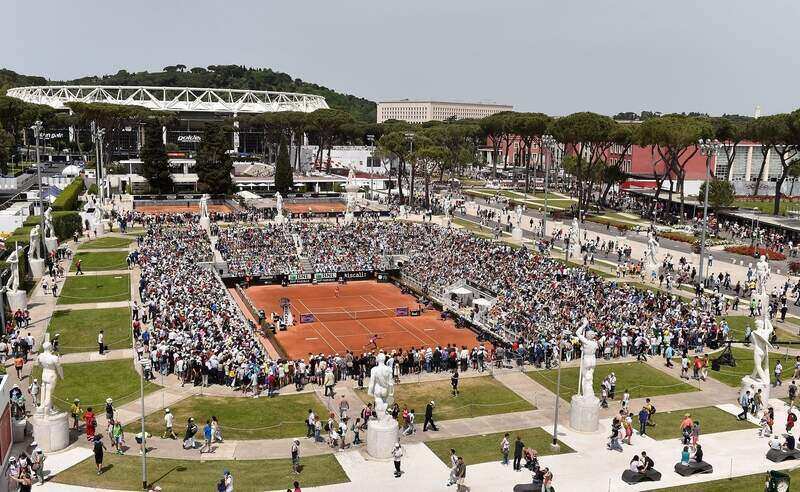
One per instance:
[(473, 227), (78, 329), (711, 420), (747, 483), (732, 376), (245, 418), (784, 331), (486, 447), (95, 288), (135, 231), (640, 379), (93, 382), (478, 396), (106, 242), (106, 260), (125, 473)]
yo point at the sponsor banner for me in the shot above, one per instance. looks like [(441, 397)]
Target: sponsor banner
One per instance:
[(401, 311), (307, 318), (325, 277), (270, 279), (299, 278), (362, 275)]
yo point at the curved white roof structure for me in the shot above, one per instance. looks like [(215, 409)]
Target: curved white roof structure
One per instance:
[(179, 99)]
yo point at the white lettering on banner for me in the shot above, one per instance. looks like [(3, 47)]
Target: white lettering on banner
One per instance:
[(325, 276), (52, 135), (189, 138), (355, 274)]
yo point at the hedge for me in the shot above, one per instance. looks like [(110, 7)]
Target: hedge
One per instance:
[(65, 224), (68, 199)]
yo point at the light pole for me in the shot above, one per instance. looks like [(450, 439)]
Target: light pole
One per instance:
[(550, 143), (371, 139), (143, 365), (708, 148), (37, 131), (97, 137)]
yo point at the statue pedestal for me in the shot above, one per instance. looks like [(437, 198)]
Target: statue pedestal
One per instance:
[(752, 385), (37, 268), (18, 427), (280, 219), (403, 213), (381, 438), (51, 244), (51, 431), (17, 299), (349, 218), (584, 414), (205, 223), (516, 234), (99, 229)]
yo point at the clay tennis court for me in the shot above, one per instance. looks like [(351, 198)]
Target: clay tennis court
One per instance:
[(179, 208), (331, 334), (315, 207)]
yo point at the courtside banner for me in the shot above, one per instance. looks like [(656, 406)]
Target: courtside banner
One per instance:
[(325, 277), (360, 275), (299, 278), (401, 311), (307, 318)]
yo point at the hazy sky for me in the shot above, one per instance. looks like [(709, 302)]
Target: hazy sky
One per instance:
[(558, 56)]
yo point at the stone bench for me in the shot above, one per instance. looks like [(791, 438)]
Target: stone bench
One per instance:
[(632, 477), (536, 486), (777, 455), (693, 468)]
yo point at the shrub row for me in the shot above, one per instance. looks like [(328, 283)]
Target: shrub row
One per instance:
[(751, 252), (68, 199)]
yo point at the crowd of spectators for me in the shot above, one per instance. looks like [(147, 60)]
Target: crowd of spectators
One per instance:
[(263, 250)]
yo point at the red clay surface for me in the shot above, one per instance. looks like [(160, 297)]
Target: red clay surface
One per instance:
[(331, 337), (305, 207), (179, 208)]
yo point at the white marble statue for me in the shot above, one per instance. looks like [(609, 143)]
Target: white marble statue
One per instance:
[(51, 373), (13, 264), (518, 216), (381, 387), (761, 346), (446, 206), (762, 275), (204, 206), (279, 202), (98, 214), (588, 359), (574, 238), (351, 176), (652, 249), (36, 243), (49, 230)]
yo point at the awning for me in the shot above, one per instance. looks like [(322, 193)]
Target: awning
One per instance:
[(482, 302), (461, 291)]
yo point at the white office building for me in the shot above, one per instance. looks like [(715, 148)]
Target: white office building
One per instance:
[(422, 111)]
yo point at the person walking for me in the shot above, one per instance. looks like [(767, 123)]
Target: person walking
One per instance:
[(518, 448), (778, 372), (453, 465), (792, 393), (207, 434), (78, 270), (461, 475), (100, 342), (310, 423), (295, 452), (216, 430), (505, 446), (454, 383), (77, 413), (429, 417), (397, 456), (744, 401), (169, 421), (644, 416), (37, 464), (90, 424), (98, 447), (344, 407)]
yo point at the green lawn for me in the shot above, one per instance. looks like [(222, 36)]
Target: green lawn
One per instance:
[(766, 206), (473, 227), (747, 483), (246, 418), (486, 447), (732, 376), (125, 473), (106, 242), (478, 396), (738, 324), (96, 288), (639, 378), (78, 329), (105, 260), (711, 420), (93, 382)]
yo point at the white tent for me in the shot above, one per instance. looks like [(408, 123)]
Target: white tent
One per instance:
[(71, 170), (461, 291)]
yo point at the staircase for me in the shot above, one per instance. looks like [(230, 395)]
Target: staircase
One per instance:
[(305, 265), (298, 244)]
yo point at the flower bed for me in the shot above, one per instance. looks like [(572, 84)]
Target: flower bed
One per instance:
[(683, 237), (794, 267), (622, 226), (751, 252)]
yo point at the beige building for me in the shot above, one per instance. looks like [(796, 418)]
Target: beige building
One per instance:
[(422, 111)]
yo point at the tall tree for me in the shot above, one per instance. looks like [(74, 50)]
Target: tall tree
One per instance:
[(786, 145), (586, 136), (731, 132), (530, 127), (155, 165), (284, 178), (395, 145), (428, 158), (214, 164), (327, 124), (494, 129), (720, 193), (674, 138)]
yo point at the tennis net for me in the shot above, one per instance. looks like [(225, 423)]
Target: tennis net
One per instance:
[(344, 315)]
